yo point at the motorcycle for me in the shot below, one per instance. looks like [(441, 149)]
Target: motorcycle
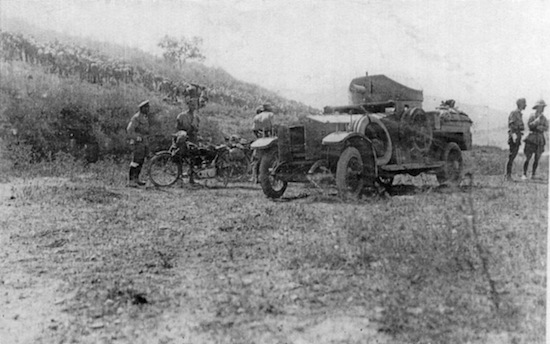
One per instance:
[(184, 159)]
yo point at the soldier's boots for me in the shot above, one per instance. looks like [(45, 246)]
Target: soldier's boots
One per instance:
[(134, 177)]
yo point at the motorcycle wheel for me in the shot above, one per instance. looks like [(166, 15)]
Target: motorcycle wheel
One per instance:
[(223, 168), (231, 171), (164, 170)]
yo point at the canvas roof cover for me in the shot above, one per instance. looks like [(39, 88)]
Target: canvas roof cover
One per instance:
[(379, 88)]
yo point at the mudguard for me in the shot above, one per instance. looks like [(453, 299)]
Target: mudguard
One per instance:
[(264, 143), (339, 137)]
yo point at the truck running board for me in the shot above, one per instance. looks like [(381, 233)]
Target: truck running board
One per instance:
[(411, 166)]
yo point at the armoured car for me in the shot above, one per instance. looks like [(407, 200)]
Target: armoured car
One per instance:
[(382, 133)]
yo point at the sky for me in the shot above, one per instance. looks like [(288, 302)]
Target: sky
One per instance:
[(478, 52)]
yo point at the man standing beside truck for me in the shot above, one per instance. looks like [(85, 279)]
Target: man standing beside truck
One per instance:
[(535, 141), (262, 126), (515, 132), (263, 121)]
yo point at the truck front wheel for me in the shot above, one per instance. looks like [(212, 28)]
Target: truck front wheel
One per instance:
[(349, 173), (451, 172), (271, 185)]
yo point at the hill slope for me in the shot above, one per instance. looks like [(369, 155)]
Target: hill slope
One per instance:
[(88, 94)]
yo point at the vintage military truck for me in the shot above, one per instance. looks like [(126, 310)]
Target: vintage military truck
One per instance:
[(382, 133)]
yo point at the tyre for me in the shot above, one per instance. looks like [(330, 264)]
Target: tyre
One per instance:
[(451, 172), (271, 185), (229, 170), (349, 173), (164, 170), (223, 168)]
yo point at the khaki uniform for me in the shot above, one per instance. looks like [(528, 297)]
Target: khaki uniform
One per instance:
[(515, 132), (537, 128), (535, 141), (188, 122), (263, 124), (138, 133)]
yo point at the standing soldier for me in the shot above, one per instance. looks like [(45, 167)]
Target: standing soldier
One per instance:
[(535, 141), (138, 131), (515, 132), (189, 122), (263, 125)]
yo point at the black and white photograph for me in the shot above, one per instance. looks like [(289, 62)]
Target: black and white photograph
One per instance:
[(274, 171)]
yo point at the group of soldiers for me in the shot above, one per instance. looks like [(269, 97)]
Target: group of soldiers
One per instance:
[(534, 142), (187, 123)]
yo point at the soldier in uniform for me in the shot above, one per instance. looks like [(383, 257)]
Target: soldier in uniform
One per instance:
[(189, 122), (535, 141), (262, 127), (138, 131), (263, 121), (515, 132)]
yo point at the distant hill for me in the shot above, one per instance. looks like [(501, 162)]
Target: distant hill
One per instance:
[(225, 89)]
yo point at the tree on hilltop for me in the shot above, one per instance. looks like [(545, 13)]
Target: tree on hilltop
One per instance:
[(178, 51)]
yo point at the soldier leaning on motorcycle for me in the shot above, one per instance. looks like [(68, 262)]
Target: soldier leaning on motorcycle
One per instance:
[(185, 144)]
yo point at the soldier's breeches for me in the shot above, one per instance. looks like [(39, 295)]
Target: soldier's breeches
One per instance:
[(530, 150), (139, 152), (514, 149)]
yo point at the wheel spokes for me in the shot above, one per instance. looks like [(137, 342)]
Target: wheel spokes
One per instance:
[(353, 175)]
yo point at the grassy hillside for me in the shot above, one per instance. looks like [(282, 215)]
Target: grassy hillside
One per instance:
[(61, 94)]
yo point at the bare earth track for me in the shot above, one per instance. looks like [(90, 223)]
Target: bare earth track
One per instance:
[(86, 263)]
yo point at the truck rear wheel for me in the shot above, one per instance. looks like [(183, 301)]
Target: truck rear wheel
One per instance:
[(349, 173), (451, 172), (271, 185)]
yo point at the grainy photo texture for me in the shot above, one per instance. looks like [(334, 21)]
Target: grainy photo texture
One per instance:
[(262, 171)]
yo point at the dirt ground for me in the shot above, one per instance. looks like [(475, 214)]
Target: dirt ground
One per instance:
[(84, 263)]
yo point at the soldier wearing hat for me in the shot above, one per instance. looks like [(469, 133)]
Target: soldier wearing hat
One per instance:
[(535, 141), (189, 122), (515, 132), (263, 125), (138, 131)]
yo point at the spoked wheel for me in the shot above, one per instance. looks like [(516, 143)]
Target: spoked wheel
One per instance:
[(224, 170), (271, 185), (164, 170), (349, 173), (451, 172), (229, 170)]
